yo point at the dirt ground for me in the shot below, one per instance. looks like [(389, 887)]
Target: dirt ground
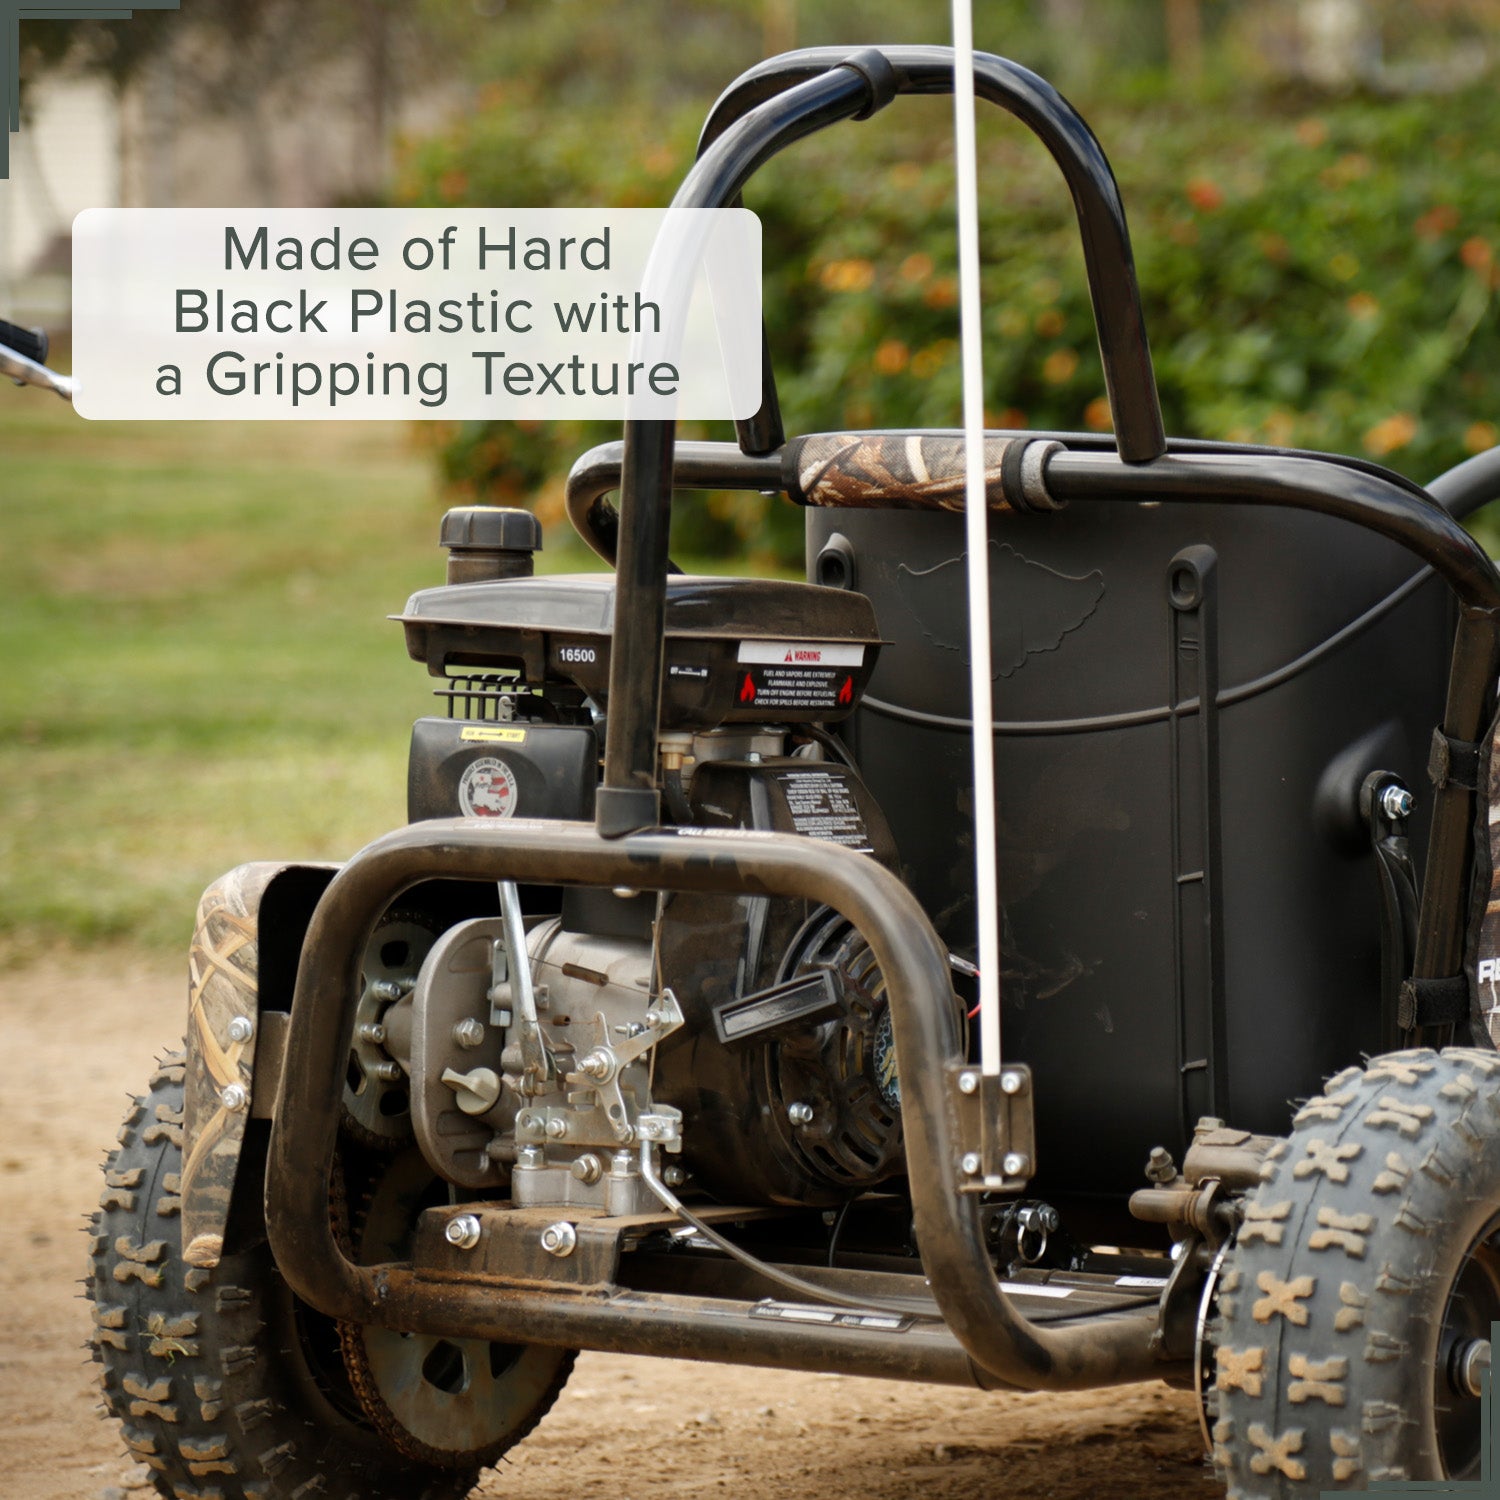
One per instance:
[(78, 1035)]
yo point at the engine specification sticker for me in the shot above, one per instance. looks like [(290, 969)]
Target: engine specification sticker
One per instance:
[(822, 806)]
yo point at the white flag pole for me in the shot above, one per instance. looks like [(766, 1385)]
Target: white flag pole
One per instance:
[(976, 514)]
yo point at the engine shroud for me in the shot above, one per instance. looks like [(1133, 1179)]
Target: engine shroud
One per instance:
[(737, 650)]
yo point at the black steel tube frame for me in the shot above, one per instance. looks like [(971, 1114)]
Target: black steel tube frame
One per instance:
[(1110, 264), (1004, 1346)]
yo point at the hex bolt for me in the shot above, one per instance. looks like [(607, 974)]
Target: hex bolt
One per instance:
[(234, 1097), (1397, 802), (588, 1169), (1015, 1164), (530, 1158), (463, 1231), (468, 1034), (968, 1083), (387, 1072), (600, 1064), (559, 1239), (557, 1128), (241, 1029), (971, 1164), (800, 1113), (1011, 1083), (372, 1032), (391, 989)]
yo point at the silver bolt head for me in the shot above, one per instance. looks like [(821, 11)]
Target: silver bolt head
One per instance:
[(968, 1083), (971, 1164), (372, 1032), (559, 1239), (463, 1231), (674, 1176), (234, 1096), (1397, 802), (1011, 1083), (469, 1033), (557, 1127), (241, 1029), (387, 1072), (588, 1169), (1014, 1164), (531, 1156), (800, 1113)]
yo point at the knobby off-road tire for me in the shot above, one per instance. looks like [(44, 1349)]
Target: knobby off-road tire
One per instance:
[(223, 1383), (1367, 1262)]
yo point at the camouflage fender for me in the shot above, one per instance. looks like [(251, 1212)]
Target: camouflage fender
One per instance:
[(223, 984)]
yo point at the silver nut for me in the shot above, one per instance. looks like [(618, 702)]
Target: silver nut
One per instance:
[(372, 1032), (588, 1169), (241, 1029), (557, 1127), (1015, 1164), (600, 1064), (1397, 802), (469, 1033), (800, 1113), (559, 1239), (530, 1156), (463, 1231), (234, 1096), (971, 1164), (968, 1083), (1011, 1083)]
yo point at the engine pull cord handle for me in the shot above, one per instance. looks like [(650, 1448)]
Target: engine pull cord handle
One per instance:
[(976, 531)]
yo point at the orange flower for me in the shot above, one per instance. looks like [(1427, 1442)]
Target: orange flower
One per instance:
[(1436, 222), (1393, 432), (848, 275), (1275, 248), (1058, 367), (1480, 436), (1012, 419), (925, 363), (1204, 195), (1362, 306), (892, 357), (1096, 415), (1476, 254), (916, 267), (1050, 323), (1312, 131), (942, 293), (453, 184)]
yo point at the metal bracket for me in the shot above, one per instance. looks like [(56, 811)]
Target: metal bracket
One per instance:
[(996, 1130)]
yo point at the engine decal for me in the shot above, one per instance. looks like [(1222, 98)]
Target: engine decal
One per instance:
[(487, 789), (797, 1312), (493, 734), (822, 807), (801, 654)]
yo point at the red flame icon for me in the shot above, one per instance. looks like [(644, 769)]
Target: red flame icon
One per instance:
[(747, 689), (846, 693)]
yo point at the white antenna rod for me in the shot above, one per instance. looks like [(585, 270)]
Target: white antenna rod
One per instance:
[(976, 515)]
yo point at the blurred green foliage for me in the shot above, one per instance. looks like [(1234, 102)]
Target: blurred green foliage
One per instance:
[(1316, 272)]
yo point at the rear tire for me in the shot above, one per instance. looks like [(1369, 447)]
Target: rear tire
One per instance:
[(1367, 1266), (223, 1382)]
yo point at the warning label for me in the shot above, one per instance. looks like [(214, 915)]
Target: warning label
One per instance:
[(796, 687), (823, 807)]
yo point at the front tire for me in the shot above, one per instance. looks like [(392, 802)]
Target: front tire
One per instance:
[(1358, 1298), (223, 1382)]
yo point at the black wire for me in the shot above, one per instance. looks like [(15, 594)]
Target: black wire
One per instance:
[(838, 1226)]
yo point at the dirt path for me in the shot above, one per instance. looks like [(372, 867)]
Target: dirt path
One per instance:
[(77, 1035)]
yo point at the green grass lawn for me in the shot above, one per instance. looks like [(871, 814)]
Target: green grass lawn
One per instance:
[(197, 666)]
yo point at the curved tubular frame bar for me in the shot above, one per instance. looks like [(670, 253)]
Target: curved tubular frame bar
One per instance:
[(1006, 1347), (1110, 264), (771, 107)]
